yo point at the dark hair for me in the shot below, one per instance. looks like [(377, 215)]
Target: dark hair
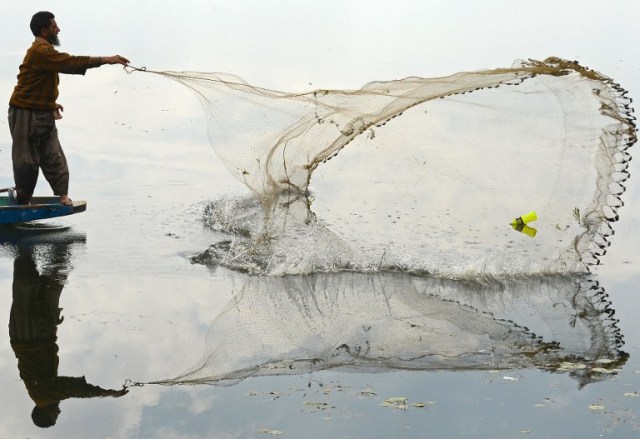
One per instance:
[(40, 20), (42, 418)]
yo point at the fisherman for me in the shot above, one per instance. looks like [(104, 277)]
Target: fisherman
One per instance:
[(33, 110)]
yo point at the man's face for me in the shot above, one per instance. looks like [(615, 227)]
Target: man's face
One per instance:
[(50, 33)]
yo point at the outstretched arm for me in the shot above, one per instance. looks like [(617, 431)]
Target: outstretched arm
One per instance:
[(49, 59)]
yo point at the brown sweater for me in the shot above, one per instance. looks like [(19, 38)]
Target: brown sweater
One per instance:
[(38, 80)]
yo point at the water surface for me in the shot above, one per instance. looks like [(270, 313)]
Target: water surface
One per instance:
[(136, 308)]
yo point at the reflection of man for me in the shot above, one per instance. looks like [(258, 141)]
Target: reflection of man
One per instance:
[(33, 109), (33, 326)]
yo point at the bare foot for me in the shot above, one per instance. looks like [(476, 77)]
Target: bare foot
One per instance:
[(64, 199)]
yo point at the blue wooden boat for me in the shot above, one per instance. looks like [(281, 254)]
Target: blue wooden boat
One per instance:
[(40, 208)]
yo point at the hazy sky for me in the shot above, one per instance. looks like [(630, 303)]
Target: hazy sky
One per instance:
[(337, 43)]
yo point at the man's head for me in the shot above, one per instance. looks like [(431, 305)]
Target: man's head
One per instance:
[(43, 24), (45, 417)]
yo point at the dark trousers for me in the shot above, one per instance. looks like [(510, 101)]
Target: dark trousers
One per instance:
[(36, 146)]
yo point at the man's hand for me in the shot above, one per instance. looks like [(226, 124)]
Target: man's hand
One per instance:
[(115, 59), (57, 112), (117, 393)]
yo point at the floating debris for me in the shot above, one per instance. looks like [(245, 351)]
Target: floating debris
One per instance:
[(507, 378), (631, 394), (337, 388), (596, 407), (423, 404), (576, 214), (368, 392), (272, 394), (318, 405), (396, 400), (399, 403), (270, 432)]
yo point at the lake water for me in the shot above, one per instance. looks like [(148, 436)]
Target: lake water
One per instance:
[(137, 309)]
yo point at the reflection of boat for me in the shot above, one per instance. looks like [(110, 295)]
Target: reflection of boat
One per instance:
[(38, 236), (377, 322), (40, 208)]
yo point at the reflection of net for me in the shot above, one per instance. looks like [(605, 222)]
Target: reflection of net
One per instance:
[(381, 322), (436, 180)]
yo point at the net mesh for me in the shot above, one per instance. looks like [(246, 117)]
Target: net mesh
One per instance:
[(434, 172)]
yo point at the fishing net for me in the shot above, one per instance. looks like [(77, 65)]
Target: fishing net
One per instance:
[(404, 238), (429, 173), (376, 322)]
